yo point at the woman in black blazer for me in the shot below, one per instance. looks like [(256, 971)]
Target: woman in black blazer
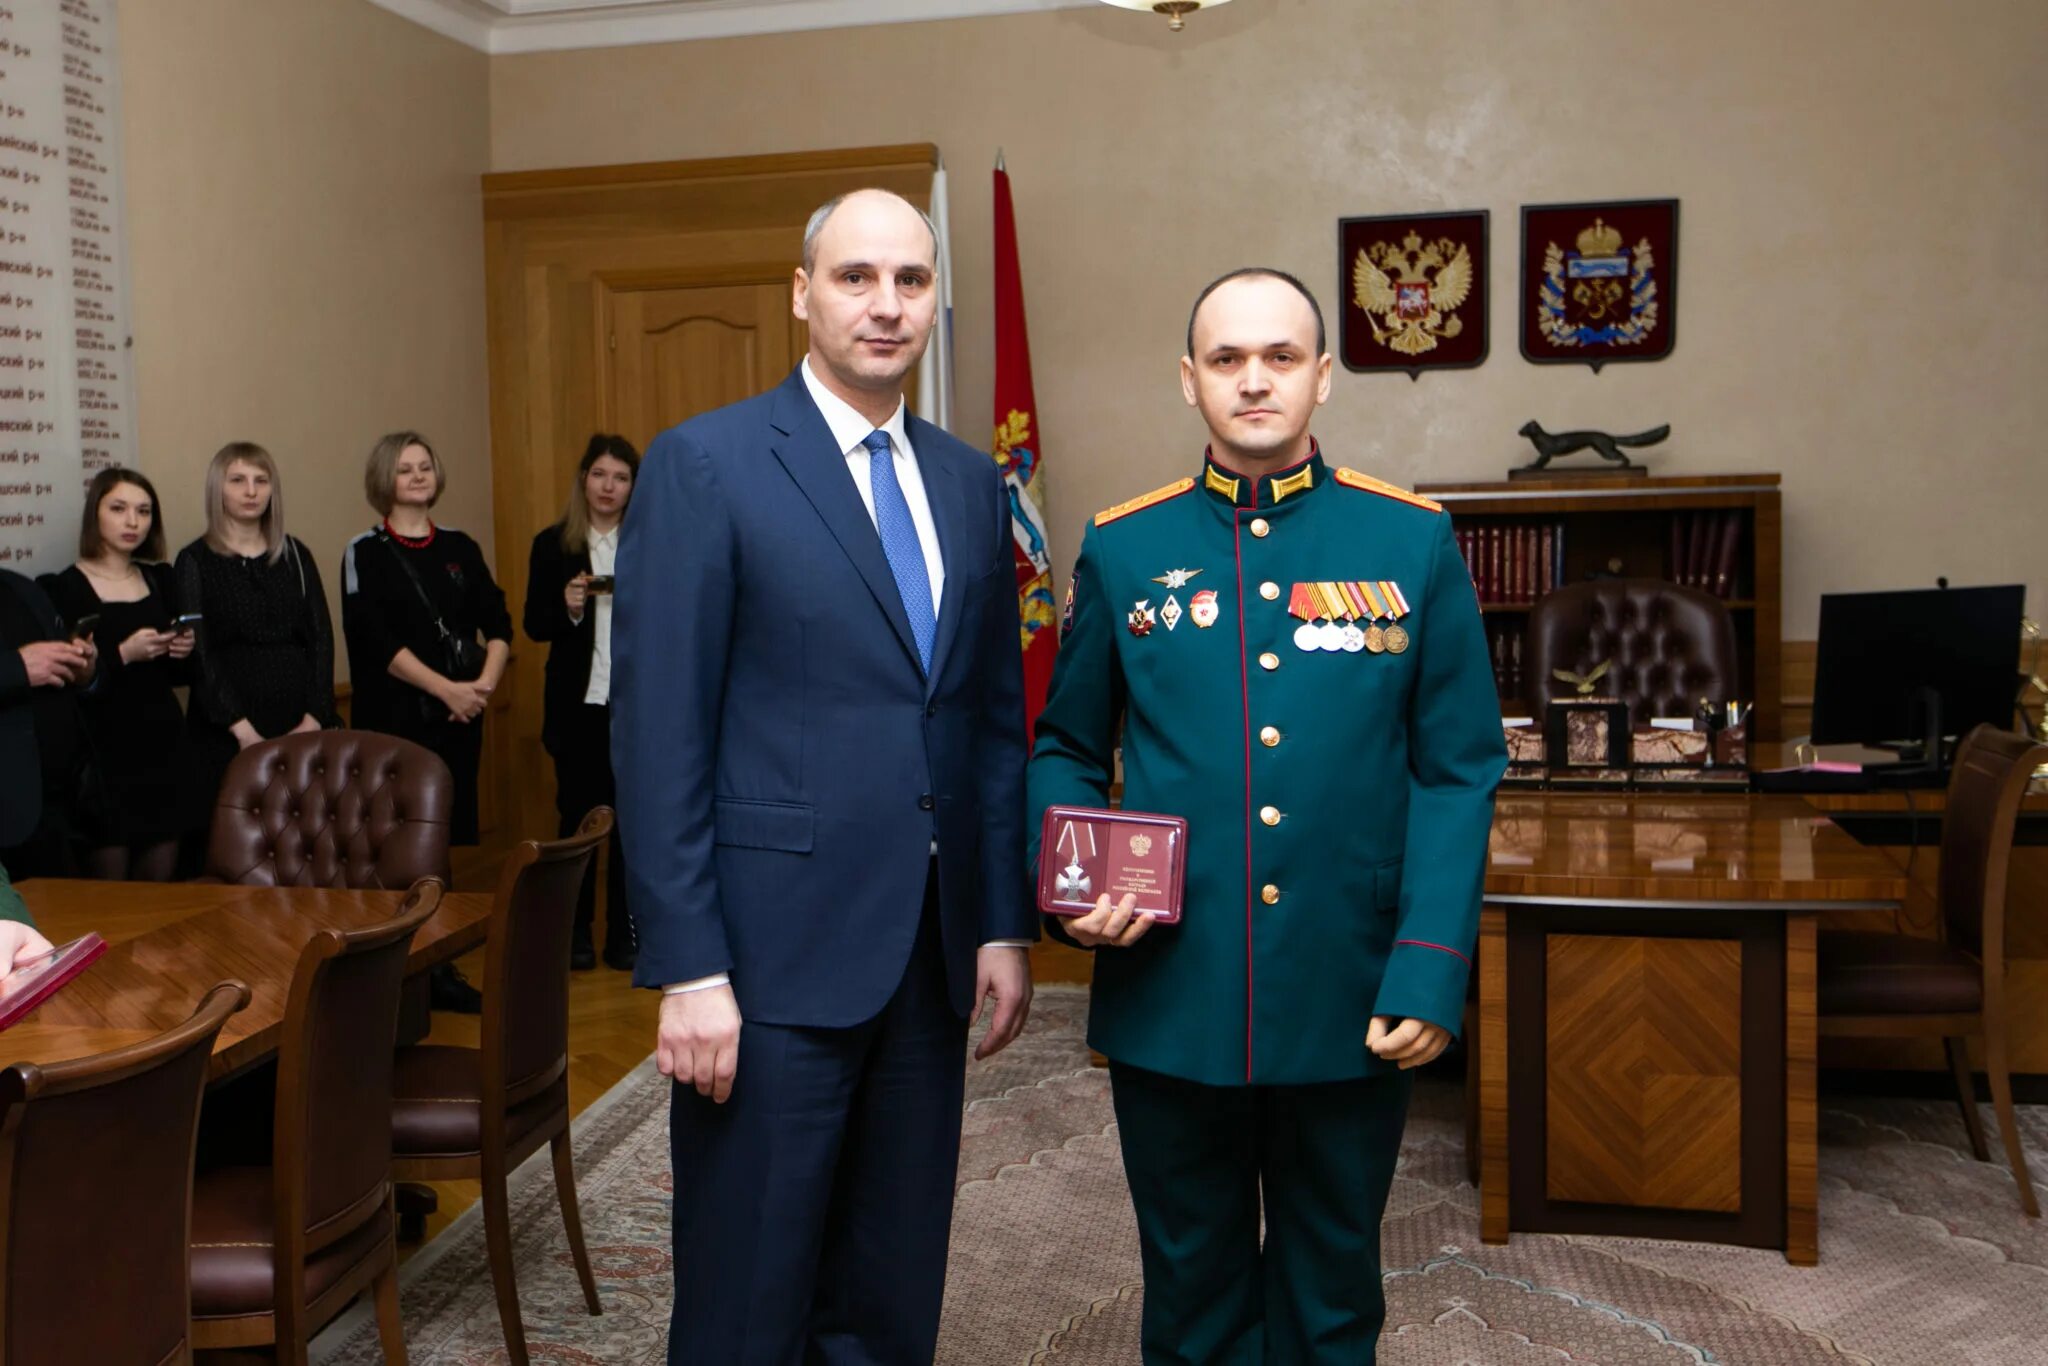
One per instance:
[(569, 607)]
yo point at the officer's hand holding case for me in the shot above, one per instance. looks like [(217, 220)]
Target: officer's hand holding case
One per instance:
[(1086, 853)]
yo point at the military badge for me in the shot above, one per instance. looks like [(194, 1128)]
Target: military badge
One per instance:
[(1202, 607), (1414, 291), (1169, 612), (1140, 618), (1599, 282), (1176, 578), (1067, 612)]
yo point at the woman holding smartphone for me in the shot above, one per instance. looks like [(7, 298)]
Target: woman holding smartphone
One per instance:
[(134, 815), (415, 598), (569, 609), (264, 663)]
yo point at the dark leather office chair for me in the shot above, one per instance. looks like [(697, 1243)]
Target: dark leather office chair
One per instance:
[(476, 1113), (92, 1257), (1666, 646), (277, 1251), (1872, 984), (332, 808)]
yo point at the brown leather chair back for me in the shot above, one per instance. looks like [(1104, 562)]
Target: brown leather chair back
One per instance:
[(1666, 646), (96, 1185), (526, 961), (333, 808), (1985, 787), (332, 1144)]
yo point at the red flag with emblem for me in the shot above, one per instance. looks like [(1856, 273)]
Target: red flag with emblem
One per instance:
[(1017, 454)]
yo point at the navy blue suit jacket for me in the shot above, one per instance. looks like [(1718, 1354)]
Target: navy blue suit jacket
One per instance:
[(783, 763)]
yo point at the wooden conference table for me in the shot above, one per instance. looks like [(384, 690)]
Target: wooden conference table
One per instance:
[(171, 942), (1646, 1013)]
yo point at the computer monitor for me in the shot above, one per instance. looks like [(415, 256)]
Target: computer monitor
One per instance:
[(1901, 667)]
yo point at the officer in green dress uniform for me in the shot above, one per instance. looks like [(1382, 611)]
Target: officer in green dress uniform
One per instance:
[(1290, 656)]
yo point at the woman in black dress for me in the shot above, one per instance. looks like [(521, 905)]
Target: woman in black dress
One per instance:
[(264, 665), (569, 609), (135, 812), (414, 599)]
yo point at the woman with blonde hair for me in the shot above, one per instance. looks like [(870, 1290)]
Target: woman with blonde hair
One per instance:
[(264, 663), (569, 609), (135, 813), (415, 598)]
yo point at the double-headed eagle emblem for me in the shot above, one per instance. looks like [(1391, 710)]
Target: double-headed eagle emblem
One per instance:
[(1415, 289)]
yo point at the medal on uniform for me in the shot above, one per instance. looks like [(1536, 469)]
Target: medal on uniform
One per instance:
[(1140, 618), (1072, 884), (1330, 636), (1375, 639), (1202, 607), (1301, 603), (1170, 612), (1354, 639), (1397, 607), (1176, 578)]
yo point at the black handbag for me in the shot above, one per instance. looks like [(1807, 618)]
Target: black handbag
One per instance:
[(459, 658)]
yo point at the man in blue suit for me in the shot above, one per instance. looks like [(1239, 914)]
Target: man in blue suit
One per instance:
[(818, 736)]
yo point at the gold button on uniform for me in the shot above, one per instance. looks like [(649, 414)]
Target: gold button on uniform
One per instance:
[(1259, 527), (1269, 894), (1269, 590), (1270, 815), (1269, 661), (1269, 736)]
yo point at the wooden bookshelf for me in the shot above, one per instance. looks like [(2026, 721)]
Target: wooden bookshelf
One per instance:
[(1622, 526)]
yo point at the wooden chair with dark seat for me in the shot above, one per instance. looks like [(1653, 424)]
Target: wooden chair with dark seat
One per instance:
[(279, 1250), (477, 1113), (1665, 646), (1872, 984), (92, 1222)]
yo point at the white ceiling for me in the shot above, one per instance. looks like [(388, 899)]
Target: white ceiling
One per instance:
[(545, 25)]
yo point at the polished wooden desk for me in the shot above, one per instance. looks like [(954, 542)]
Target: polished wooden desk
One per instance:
[(171, 941), (1646, 1013)]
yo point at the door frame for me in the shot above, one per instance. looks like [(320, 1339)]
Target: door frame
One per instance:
[(553, 240)]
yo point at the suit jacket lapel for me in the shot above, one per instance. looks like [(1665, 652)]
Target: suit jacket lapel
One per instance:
[(946, 491), (818, 466)]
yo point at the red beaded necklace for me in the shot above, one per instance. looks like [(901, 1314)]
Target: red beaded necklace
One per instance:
[(411, 542)]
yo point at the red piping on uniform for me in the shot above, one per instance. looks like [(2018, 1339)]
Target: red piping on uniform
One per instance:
[(1425, 944), (1245, 685)]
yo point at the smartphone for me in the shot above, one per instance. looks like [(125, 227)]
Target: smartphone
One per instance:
[(185, 621), (83, 628), (599, 583)]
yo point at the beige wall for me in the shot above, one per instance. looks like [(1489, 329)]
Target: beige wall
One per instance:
[(305, 240), (1861, 303)]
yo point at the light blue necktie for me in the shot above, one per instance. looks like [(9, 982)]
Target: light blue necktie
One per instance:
[(900, 544)]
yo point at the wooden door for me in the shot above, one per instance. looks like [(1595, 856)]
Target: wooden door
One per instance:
[(673, 353)]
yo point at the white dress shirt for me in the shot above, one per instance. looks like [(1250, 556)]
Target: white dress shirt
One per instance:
[(604, 553), (849, 429)]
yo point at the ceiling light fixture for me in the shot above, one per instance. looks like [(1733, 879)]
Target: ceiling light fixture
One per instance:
[(1176, 11)]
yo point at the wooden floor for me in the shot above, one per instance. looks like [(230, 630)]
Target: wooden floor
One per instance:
[(611, 1025)]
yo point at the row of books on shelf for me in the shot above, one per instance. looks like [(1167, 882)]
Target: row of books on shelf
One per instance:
[(1514, 564), (1704, 546)]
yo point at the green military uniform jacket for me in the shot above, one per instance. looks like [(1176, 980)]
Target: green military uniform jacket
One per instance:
[(11, 907), (1338, 800)]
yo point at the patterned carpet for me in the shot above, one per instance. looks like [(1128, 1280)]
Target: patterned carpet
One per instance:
[(1925, 1258)]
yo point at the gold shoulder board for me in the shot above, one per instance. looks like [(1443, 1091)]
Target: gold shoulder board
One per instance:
[(1143, 501), (1353, 479)]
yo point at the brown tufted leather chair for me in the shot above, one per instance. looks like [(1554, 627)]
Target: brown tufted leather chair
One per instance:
[(92, 1259), (1872, 984), (279, 1250), (474, 1114), (1669, 645), (332, 808)]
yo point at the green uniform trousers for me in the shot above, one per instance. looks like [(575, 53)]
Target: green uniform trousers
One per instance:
[(1198, 1159)]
